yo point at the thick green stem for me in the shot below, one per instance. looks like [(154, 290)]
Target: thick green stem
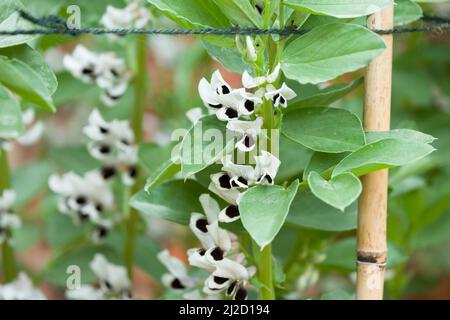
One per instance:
[(132, 216), (265, 274), (8, 259)]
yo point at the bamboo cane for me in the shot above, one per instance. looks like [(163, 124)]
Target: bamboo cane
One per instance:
[(371, 232)]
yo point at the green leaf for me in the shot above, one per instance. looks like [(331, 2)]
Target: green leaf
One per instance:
[(156, 160), (325, 97), (230, 58), (339, 8), (383, 154), (62, 232), (339, 192), (25, 72), (240, 12), (174, 200), (342, 255), (294, 159), (11, 125), (402, 134), (198, 148), (11, 20), (73, 158), (192, 13), (323, 163), (36, 172), (329, 51), (264, 209), (324, 129), (338, 295), (406, 12), (310, 212)]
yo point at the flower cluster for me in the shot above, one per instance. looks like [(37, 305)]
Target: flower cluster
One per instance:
[(33, 131), (20, 289), (8, 219), (113, 144), (113, 279), (107, 70), (85, 198), (219, 254), (132, 16)]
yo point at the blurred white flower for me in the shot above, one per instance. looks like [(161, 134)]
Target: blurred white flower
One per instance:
[(20, 289), (113, 144), (113, 279), (107, 70), (177, 278), (250, 82), (83, 197), (8, 219), (132, 16), (33, 130)]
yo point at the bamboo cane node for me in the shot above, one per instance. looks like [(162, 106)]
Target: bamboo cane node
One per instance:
[(372, 257)]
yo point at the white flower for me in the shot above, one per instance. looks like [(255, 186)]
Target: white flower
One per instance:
[(229, 195), (113, 279), (112, 144), (177, 278), (132, 16), (234, 175), (230, 214), (83, 197), (266, 167), (248, 131), (20, 289), (33, 132), (107, 70), (248, 103), (229, 275), (82, 64), (250, 82), (8, 220), (7, 200), (281, 96), (218, 95), (215, 240)]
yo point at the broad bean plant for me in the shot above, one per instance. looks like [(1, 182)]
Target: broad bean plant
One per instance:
[(256, 154)]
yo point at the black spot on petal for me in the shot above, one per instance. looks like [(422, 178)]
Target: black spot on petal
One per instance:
[(102, 232), (215, 106), (230, 289), (241, 294), (201, 252), (220, 280), (282, 100), (225, 90), (108, 172), (268, 178), (275, 98), (249, 105), (104, 149), (224, 181), (248, 141), (217, 254), (232, 211), (81, 200), (107, 285), (132, 171), (176, 284), (231, 113), (201, 225), (99, 207), (243, 181), (103, 130)]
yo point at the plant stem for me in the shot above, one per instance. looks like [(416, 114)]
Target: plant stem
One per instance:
[(132, 218), (265, 274), (9, 262)]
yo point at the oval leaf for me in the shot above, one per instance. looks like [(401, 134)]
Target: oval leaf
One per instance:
[(324, 129), (11, 125), (340, 8), (383, 154), (329, 51), (308, 211), (339, 192), (173, 201), (264, 209), (402, 134)]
